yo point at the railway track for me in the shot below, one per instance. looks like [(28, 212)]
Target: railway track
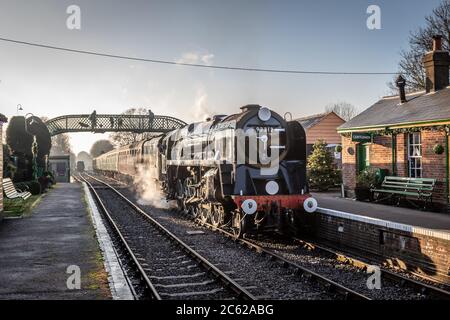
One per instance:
[(404, 281), (401, 283), (161, 265), (327, 284), (393, 283)]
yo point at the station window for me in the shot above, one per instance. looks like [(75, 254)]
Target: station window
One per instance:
[(415, 155)]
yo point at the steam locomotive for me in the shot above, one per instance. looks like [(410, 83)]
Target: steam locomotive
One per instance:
[(245, 171)]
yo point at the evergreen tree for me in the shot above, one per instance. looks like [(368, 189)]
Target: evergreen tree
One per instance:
[(100, 147), (20, 140), (321, 168)]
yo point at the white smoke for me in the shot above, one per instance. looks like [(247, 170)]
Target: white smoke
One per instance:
[(207, 59), (196, 58), (148, 188), (201, 110)]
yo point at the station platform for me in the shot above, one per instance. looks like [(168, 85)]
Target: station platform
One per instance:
[(425, 219), (36, 251)]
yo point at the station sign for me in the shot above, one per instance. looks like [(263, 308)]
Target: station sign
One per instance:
[(362, 137)]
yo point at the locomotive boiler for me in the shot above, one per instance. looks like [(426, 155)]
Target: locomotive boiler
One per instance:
[(245, 171)]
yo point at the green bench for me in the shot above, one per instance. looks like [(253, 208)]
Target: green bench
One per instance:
[(404, 188)]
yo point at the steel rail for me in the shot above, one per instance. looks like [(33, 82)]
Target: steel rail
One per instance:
[(229, 283), (153, 292), (402, 280), (331, 285), (357, 262)]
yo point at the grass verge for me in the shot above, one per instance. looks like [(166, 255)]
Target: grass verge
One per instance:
[(18, 208)]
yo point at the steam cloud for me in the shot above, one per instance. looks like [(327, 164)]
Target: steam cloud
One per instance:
[(196, 58), (148, 189), (201, 110)]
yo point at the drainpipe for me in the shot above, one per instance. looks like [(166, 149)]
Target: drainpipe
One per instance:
[(447, 163), (394, 154)]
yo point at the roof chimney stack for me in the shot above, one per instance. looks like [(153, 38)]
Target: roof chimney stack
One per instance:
[(437, 43), (437, 64), (401, 83)]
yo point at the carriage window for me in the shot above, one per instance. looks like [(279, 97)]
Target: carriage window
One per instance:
[(415, 155)]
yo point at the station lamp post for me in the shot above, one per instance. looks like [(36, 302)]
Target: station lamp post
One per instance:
[(19, 108), (34, 146)]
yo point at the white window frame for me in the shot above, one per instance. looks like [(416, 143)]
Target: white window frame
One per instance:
[(367, 147), (414, 144)]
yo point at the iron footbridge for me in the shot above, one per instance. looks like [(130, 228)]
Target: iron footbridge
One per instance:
[(101, 123)]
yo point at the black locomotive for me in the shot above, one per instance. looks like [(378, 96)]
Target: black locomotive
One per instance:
[(246, 170)]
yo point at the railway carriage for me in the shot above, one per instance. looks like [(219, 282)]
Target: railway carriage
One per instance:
[(246, 171)]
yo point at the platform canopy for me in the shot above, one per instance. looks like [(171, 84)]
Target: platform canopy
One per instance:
[(100, 123)]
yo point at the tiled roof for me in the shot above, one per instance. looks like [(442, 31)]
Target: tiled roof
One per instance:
[(310, 121), (420, 107)]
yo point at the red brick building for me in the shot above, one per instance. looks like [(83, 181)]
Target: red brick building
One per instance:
[(406, 134)]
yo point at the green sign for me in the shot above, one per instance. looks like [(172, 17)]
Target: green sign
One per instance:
[(362, 137)]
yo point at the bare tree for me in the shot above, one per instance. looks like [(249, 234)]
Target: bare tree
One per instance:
[(343, 109), (100, 147), (60, 142), (420, 42), (124, 138)]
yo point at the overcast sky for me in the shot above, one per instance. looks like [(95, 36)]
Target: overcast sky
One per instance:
[(309, 35)]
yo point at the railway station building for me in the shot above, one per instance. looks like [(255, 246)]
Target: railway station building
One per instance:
[(408, 134)]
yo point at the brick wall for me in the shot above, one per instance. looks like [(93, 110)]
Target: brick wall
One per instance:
[(411, 251), (402, 155), (348, 163), (381, 153), (433, 165)]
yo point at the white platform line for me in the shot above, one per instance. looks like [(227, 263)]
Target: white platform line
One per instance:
[(385, 223), (118, 283)]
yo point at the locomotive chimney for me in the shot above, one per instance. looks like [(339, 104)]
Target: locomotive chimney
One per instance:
[(249, 107), (437, 64), (401, 83)]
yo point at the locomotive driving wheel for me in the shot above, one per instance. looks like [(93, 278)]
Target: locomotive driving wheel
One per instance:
[(204, 214), (238, 224), (180, 197), (194, 210), (217, 216)]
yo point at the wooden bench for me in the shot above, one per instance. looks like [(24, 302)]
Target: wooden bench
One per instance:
[(12, 193), (406, 188)]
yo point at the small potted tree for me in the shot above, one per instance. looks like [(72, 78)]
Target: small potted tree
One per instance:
[(365, 180)]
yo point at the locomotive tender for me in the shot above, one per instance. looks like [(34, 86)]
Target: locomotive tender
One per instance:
[(246, 171)]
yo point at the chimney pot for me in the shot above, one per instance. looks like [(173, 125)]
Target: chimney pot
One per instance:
[(401, 83), (437, 43), (436, 64)]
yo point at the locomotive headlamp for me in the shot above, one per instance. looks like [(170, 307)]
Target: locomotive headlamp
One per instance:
[(264, 114), (310, 205), (249, 206), (272, 187)]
